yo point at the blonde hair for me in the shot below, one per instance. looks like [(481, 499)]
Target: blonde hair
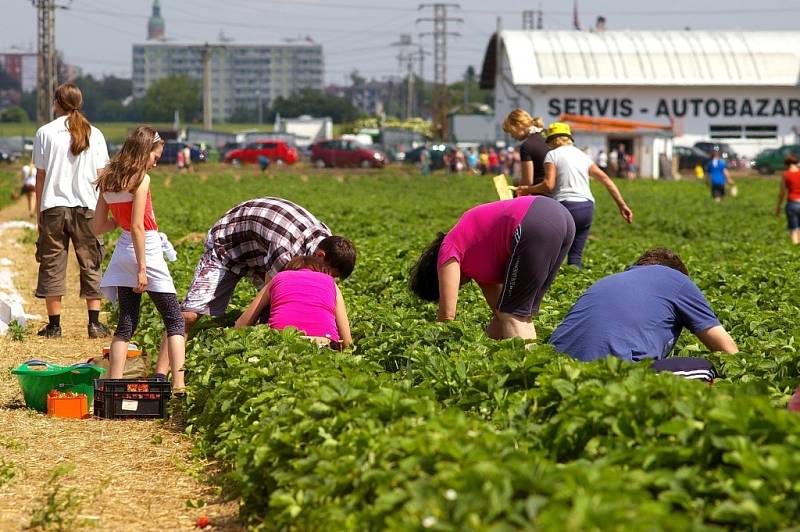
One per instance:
[(558, 141), (68, 96), (519, 124), (127, 168)]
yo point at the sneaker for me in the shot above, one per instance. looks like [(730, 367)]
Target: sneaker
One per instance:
[(97, 330), (50, 332)]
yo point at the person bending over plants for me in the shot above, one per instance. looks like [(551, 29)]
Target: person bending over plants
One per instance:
[(512, 249), (255, 239), (639, 314), (303, 295)]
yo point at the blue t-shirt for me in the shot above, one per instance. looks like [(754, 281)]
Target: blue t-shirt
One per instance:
[(716, 169), (633, 315)]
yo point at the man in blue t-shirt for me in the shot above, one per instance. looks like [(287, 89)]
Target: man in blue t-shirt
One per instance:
[(639, 314), (718, 175)]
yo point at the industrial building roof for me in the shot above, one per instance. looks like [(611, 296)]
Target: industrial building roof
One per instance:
[(678, 58)]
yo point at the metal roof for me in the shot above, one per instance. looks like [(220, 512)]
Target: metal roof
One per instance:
[(677, 58)]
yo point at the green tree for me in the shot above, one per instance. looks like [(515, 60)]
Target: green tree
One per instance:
[(475, 95), (168, 94), (14, 114), (315, 103)]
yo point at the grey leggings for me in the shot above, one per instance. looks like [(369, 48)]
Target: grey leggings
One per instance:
[(166, 303)]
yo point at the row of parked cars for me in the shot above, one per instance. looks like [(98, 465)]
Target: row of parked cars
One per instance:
[(325, 153), (765, 163)]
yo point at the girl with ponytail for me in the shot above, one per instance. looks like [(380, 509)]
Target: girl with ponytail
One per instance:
[(69, 154)]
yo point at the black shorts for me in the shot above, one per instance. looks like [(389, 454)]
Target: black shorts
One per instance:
[(717, 191), (693, 368), (538, 248)]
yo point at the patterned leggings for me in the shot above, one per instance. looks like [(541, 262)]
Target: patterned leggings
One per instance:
[(129, 302)]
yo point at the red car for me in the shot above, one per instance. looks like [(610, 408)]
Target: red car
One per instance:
[(277, 151), (345, 153)]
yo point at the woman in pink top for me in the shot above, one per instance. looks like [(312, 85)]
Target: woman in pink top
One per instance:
[(511, 248), (303, 295)]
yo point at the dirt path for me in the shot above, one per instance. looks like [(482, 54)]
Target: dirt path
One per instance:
[(92, 474)]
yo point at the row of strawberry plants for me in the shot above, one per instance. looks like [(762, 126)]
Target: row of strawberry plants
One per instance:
[(425, 425)]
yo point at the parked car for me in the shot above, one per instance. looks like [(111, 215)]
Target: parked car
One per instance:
[(725, 150), (170, 153), (229, 147), (689, 157), (6, 156), (345, 153), (437, 152), (769, 161), (277, 151)]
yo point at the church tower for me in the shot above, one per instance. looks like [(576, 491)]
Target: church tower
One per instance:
[(155, 26)]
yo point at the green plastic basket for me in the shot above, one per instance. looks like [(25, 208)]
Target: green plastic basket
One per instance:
[(37, 378)]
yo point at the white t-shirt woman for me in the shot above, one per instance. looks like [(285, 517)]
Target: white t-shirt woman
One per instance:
[(572, 173)]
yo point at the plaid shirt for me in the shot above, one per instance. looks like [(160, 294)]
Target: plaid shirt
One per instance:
[(259, 236)]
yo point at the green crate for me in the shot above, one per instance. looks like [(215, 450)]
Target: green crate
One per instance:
[(37, 378)]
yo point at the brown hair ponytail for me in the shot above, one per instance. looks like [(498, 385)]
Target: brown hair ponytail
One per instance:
[(68, 96)]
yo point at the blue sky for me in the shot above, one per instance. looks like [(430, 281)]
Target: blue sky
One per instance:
[(97, 34)]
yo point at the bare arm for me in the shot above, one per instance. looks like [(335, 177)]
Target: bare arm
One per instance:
[(601, 176), (449, 280), (102, 222), (342, 322), (492, 294), (727, 176), (253, 310), (137, 232), (781, 197), (526, 167), (718, 339), (40, 175), (545, 187)]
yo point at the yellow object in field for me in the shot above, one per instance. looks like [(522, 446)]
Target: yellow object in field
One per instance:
[(504, 191), (699, 172)]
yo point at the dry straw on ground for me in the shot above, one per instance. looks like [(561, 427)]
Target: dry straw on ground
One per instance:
[(98, 475)]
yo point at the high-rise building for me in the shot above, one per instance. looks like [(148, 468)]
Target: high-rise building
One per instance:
[(155, 25), (22, 66), (243, 75)]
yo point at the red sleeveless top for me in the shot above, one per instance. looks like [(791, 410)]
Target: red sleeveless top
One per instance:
[(121, 206)]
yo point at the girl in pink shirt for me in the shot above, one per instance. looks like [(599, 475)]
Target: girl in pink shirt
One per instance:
[(511, 248), (303, 295)]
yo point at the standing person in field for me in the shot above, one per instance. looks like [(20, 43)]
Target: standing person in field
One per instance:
[(718, 175), (29, 186), (255, 239), (602, 161), (528, 130), (511, 248), (567, 172), (69, 154), (790, 193), (187, 158), (303, 295), (180, 161), (137, 264), (639, 314)]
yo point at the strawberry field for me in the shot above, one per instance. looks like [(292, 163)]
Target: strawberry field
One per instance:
[(433, 426)]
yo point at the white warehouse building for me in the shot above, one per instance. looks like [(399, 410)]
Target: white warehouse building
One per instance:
[(742, 88)]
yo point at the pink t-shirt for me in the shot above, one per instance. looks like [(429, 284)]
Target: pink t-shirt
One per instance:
[(305, 300), (481, 240)]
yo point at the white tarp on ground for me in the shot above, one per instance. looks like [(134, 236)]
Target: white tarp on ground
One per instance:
[(11, 302)]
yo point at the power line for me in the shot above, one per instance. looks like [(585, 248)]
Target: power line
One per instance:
[(440, 33)]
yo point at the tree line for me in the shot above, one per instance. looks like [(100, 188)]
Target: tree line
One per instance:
[(109, 99)]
